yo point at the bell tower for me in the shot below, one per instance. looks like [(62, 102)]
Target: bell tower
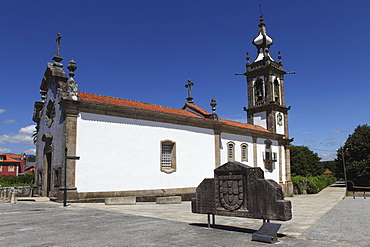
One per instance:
[(265, 86)]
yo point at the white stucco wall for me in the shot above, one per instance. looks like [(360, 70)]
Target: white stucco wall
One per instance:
[(259, 119), (275, 166), (124, 154), (238, 140)]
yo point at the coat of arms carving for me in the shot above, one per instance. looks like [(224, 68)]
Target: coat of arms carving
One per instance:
[(230, 192)]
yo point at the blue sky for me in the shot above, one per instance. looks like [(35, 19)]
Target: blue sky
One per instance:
[(146, 50)]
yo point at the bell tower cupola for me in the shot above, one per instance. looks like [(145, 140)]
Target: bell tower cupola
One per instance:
[(265, 86), (262, 42)]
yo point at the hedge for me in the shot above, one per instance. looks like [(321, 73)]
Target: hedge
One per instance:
[(314, 184), (13, 181)]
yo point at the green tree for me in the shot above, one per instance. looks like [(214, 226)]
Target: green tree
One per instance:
[(356, 151), (304, 162)]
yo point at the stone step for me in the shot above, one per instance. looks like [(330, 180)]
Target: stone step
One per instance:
[(168, 200), (129, 200)]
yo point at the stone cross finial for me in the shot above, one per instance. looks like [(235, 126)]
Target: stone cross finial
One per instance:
[(213, 105), (57, 58), (70, 89), (188, 86), (58, 44), (72, 67), (279, 56)]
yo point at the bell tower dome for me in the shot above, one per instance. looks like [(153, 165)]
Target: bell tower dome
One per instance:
[(265, 86)]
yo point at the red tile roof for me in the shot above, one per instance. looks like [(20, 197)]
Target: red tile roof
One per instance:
[(244, 125), (8, 158), (88, 97), (197, 109), (15, 156), (327, 171), (133, 104)]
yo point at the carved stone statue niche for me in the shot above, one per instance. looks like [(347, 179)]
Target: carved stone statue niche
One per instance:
[(239, 190)]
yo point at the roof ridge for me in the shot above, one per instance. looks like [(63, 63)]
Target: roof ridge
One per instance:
[(130, 100)]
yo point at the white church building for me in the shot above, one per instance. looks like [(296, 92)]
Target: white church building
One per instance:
[(151, 150)]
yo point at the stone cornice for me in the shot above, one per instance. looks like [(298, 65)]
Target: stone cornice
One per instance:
[(267, 107)]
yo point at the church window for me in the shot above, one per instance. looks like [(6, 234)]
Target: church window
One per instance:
[(10, 168), (230, 151), (244, 152), (168, 156)]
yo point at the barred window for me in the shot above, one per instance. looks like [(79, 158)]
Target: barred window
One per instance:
[(230, 151), (244, 152), (168, 156)]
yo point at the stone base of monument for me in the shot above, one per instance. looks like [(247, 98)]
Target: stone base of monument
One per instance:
[(267, 233), (129, 200), (168, 200)]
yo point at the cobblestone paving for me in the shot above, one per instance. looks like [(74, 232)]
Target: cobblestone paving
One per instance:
[(324, 219), (307, 210)]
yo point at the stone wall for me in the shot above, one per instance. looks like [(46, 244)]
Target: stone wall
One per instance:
[(20, 191)]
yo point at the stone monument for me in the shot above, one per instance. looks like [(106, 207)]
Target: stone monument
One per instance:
[(239, 190)]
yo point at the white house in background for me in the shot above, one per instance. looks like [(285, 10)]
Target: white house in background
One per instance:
[(131, 148)]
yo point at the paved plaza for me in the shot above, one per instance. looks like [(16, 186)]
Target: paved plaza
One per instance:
[(323, 219)]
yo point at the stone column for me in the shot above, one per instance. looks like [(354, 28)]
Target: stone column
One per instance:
[(255, 163), (280, 163), (217, 136), (289, 184), (71, 114)]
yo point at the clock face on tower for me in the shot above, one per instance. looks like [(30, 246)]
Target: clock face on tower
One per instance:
[(279, 119)]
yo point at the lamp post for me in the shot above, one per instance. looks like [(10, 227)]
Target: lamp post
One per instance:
[(65, 176), (344, 169)]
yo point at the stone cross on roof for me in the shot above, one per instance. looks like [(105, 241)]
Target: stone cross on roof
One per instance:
[(188, 86), (57, 58), (58, 44)]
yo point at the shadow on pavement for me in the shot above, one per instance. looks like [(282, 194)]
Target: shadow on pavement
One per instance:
[(230, 228)]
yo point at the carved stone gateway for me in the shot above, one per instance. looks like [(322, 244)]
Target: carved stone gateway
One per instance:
[(239, 190)]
